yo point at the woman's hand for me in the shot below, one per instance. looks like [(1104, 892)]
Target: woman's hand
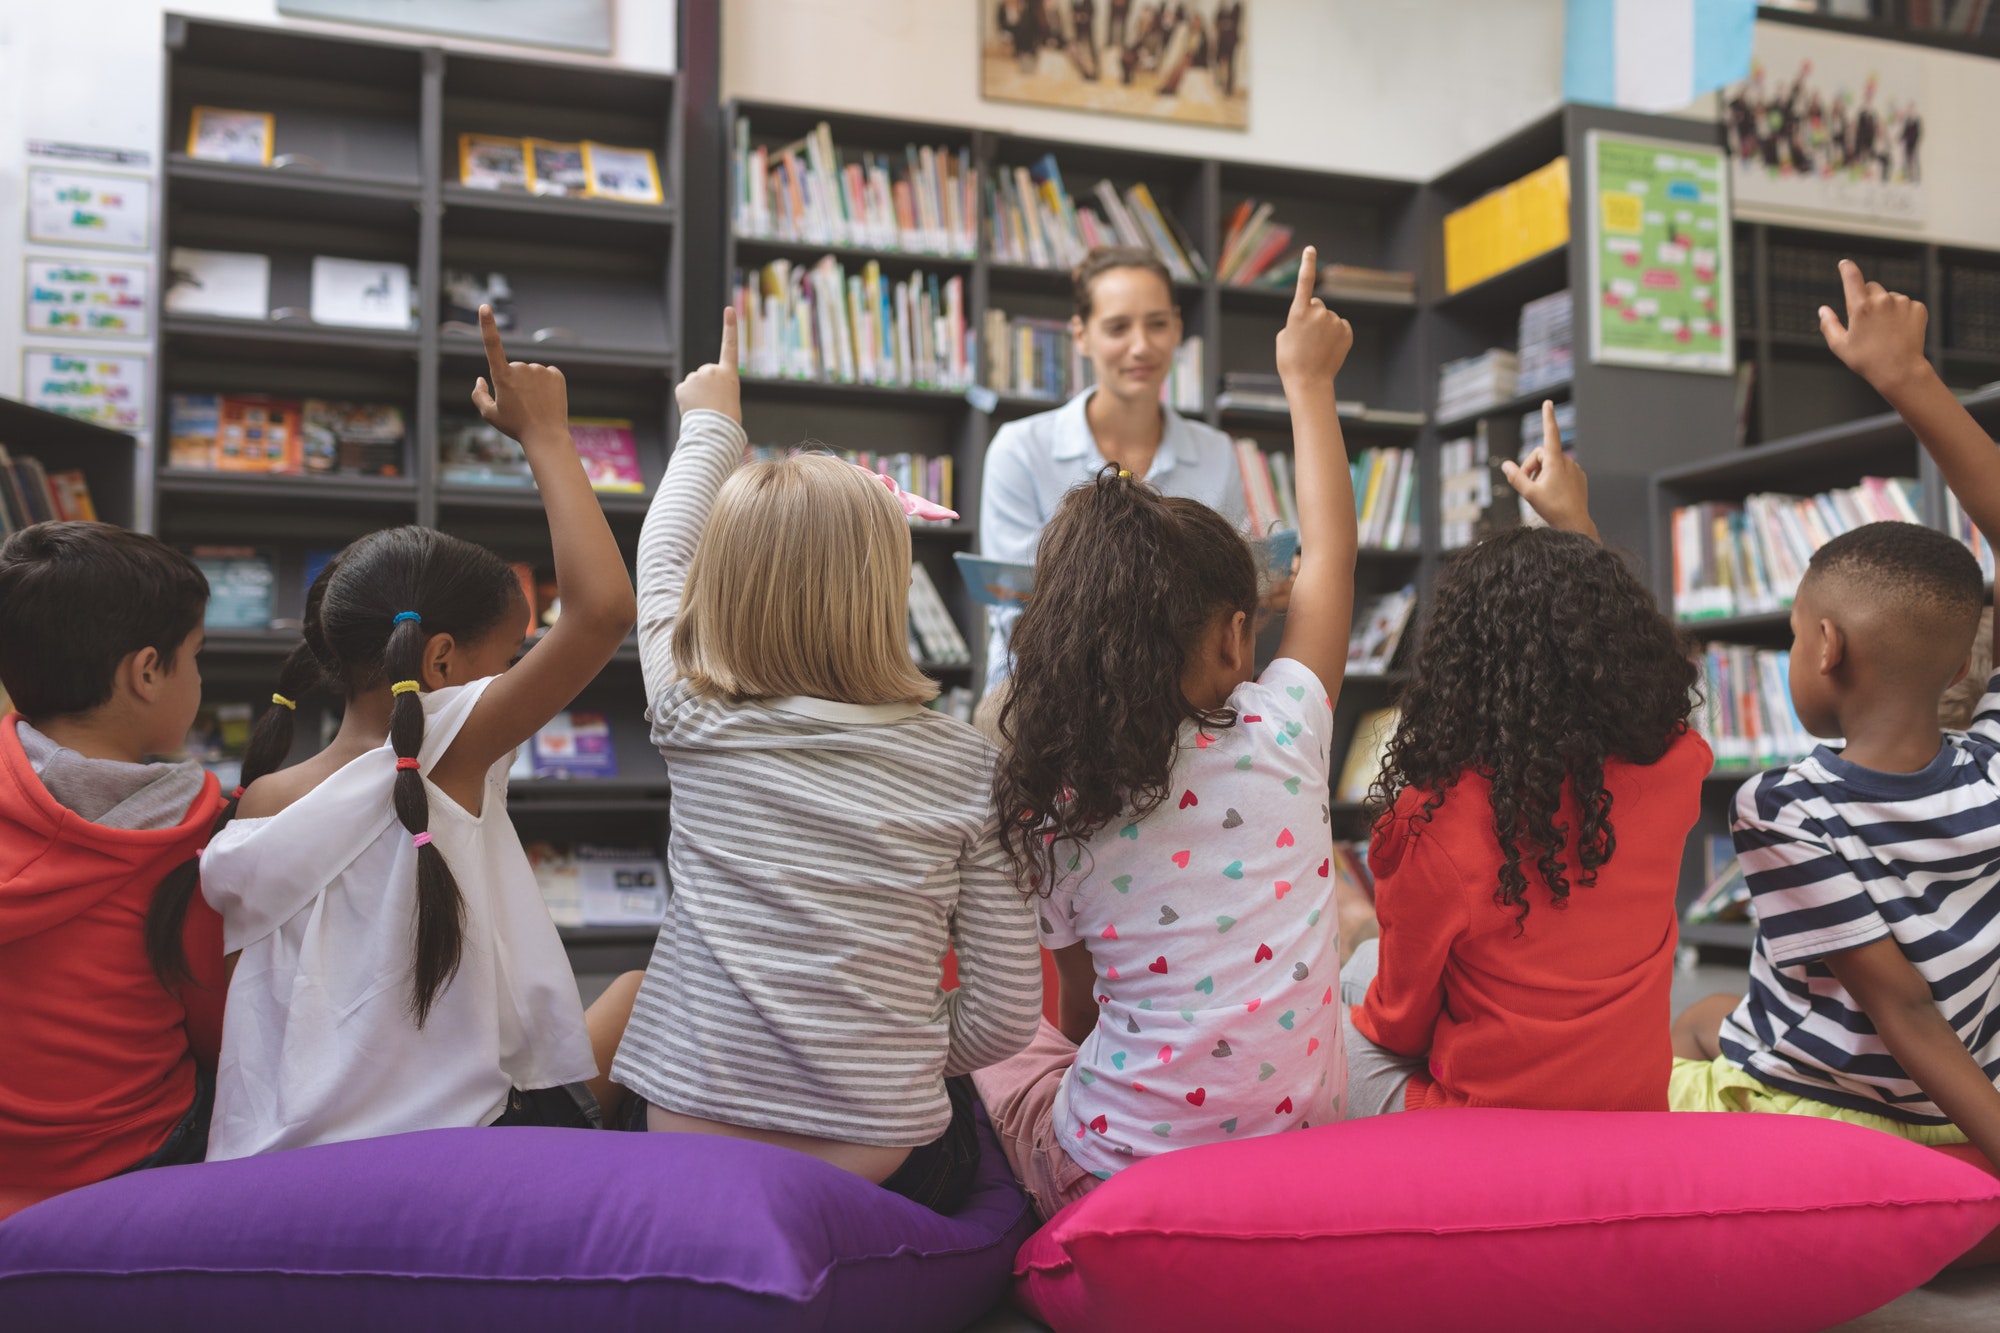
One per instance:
[(1314, 343), (715, 386)]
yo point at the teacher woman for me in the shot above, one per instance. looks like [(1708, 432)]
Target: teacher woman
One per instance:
[(1126, 322)]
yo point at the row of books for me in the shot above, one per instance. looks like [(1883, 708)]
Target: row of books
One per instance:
[(1507, 226), (473, 453), (1252, 245), (1725, 894), (929, 476), (1035, 358), (1746, 713), (247, 432), (30, 493), (1972, 308), (1466, 489), (934, 635), (1379, 622), (1806, 277), (1545, 354), (1263, 391), (1385, 494), (809, 191), (593, 884), (1473, 383), (233, 284), (1035, 222), (1391, 285), (1747, 558), (824, 323), (1959, 524)]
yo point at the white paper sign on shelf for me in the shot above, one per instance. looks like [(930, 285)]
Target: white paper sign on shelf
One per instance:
[(360, 293), (84, 208), (85, 299), (225, 283), (105, 390)]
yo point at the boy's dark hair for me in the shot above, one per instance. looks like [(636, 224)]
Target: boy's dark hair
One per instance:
[(1924, 575), (1126, 582), (1542, 658), (76, 599), (1107, 257)]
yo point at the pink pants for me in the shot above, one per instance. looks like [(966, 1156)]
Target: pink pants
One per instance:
[(1020, 1098)]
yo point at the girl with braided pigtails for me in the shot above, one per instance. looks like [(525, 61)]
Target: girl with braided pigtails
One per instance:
[(395, 967)]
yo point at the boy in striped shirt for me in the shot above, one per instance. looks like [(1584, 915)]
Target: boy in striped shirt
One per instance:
[(1875, 979)]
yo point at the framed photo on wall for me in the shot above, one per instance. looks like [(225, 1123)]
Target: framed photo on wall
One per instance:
[(1184, 61)]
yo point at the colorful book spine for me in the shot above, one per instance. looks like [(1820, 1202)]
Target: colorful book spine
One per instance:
[(1036, 222), (821, 323), (811, 191), (1746, 713), (1747, 558)]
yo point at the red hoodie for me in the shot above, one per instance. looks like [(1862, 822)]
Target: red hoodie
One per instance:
[(97, 1059)]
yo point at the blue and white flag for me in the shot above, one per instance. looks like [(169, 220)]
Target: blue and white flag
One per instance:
[(1655, 55)]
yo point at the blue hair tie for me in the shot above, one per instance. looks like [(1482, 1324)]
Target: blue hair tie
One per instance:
[(401, 616)]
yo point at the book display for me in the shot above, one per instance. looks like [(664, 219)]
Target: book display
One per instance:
[(926, 477), (1746, 713), (30, 493), (921, 201), (1032, 358), (1035, 222), (823, 323)]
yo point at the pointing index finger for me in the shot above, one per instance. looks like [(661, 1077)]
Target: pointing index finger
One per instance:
[(496, 355), (728, 353), (1308, 279), (1853, 284)]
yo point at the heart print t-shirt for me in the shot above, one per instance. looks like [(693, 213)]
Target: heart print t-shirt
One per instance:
[(1211, 928)]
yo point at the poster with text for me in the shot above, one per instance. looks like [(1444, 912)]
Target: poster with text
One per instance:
[(84, 299), (83, 208), (1828, 123), (1660, 271), (105, 390)]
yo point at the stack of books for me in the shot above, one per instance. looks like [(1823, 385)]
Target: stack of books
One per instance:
[(1034, 358), (1252, 244), (1961, 526), (1545, 353), (1747, 559), (1512, 224), (30, 493), (1379, 623), (1036, 223), (1380, 285), (1746, 707), (1251, 391), (1972, 308), (805, 191), (823, 323), (934, 636), (1474, 383), (1466, 489), (920, 474)]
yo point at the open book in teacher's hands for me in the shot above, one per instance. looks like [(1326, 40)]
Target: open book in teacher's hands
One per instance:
[(1008, 583)]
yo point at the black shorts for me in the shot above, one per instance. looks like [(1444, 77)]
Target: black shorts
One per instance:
[(566, 1106), (187, 1141)]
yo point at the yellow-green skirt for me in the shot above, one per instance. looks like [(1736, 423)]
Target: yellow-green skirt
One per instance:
[(1719, 1085)]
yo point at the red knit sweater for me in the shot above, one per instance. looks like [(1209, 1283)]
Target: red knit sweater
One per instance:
[(97, 1059), (1574, 1012)]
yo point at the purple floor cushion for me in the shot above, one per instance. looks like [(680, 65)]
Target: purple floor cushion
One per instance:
[(497, 1230)]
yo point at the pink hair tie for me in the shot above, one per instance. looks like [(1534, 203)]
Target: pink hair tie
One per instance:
[(420, 840), (914, 506)]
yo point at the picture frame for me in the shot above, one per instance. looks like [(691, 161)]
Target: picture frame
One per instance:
[(557, 168), (219, 134), (493, 162), (631, 175)]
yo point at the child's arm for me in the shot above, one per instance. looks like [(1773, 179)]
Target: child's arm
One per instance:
[(530, 403), (1076, 994), (709, 449), (1311, 348), (1883, 342), (1898, 1001), (1552, 481), (1420, 907), (998, 1003)]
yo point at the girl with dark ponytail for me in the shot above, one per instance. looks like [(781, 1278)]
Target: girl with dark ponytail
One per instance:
[(396, 967)]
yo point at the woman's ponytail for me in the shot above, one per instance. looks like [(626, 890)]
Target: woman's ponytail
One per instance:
[(440, 906)]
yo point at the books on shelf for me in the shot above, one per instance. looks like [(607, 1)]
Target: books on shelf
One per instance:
[(590, 884), (242, 582), (1185, 389), (230, 432), (1474, 383), (1725, 894), (1734, 559), (226, 284), (934, 635), (1379, 623), (473, 453), (1032, 358), (544, 167), (1252, 391), (365, 439), (1532, 431), (573, 744), (1365, 753), (823, 323), (1960, 525), (1253, 242), (1468, 492), (954, 702), (1036, 223), (30, 493), (217, 737), (1270, 499), (1545, 357), (360, 293), (809, 191), (1385, 498), (1805, 277), (1352, 281), (610, 455), (1507, 226), (1746, 713), (1972, 308), (927, 476)]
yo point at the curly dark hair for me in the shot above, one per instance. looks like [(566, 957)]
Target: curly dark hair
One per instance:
[(1127, 581), (1543, 657)]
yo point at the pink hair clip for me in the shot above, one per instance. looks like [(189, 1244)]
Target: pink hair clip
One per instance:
[(915, 506)]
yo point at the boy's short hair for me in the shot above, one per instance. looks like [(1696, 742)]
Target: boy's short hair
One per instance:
[(1928, 580), (76, 599), (800, 585)]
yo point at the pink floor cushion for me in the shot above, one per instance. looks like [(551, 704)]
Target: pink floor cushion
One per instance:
[(496, 1230), (1512, 1220)]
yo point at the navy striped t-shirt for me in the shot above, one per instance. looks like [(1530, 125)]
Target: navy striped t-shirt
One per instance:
[(1838, 856)]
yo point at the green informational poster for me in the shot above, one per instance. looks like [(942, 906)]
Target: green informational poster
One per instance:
[(1660, 269)]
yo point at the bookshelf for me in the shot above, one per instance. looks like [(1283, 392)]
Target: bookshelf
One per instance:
[(107, 458), (366, 166)]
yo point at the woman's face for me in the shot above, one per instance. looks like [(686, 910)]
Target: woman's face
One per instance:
[(1132, 332)]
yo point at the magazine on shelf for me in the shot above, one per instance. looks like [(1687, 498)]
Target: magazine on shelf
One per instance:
[(610, 456), (574, 744), (464, 292), (241, 583), (1379, 623), (591, 884), (473, 453), (556, 169), (491, 162), (360, 293), (225, 284), (362, 438)]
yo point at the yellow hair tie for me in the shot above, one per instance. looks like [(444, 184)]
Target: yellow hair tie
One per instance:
[(283, 702), (405, 687), (1123, 475)]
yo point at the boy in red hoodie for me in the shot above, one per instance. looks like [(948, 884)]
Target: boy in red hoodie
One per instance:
[(111, 982)]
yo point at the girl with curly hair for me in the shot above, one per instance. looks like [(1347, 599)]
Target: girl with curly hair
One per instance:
[(1532, 811), (1169, 810)]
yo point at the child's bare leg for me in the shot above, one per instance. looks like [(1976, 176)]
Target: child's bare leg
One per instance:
[(606, 1019), (1697, 1030), (1355, 912)]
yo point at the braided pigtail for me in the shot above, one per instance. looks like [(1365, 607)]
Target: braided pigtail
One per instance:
[(440, 906)]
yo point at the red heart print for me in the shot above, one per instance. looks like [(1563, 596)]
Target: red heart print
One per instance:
[(1109, 933), (1253, 717), (1284, 837), (1166, 1055), (1202, 740), (1312, 1044), (1104, 999), (1111, 974), (1284, 1108), (1101, 1125), (1325, 866), (1284, 888), (1328, 997), (1138, 1087), (1252, 1006), (1158, 965), (1188, 798), (1263, 953), (1181, 859), (1197, 1097)]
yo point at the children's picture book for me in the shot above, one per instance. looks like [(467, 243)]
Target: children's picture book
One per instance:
[(216, 134), (24, 492), (995, 582), (596, 885), (257, 434), (241, 581), (629, 174), (490, 162), (610, 457), (362, 438), (84, 208), (472, 453), (84, 299), (360, 293), (574, 745), (465, 291), (90, 386), (228, 284), (557, 168), (1378, 630), (1365, 754), (193, 421), (70, 492)]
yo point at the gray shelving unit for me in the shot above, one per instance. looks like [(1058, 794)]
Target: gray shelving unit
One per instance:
[(107, 458)]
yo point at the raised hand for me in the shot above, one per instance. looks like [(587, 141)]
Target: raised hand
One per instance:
[(1314, 342), (1552, 481), (715, 386), (1883, 338), (526, 399)]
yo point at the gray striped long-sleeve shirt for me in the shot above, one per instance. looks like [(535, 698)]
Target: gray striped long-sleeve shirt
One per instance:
[(823, 855)]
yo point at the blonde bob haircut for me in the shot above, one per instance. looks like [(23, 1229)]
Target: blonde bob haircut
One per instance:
[(801, 586)]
